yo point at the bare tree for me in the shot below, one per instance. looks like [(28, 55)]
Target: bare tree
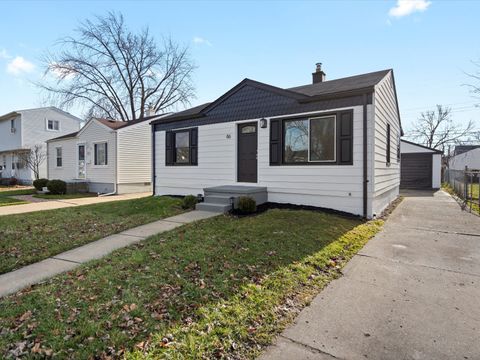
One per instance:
[(436, 129), (33, 158), (116, 73)]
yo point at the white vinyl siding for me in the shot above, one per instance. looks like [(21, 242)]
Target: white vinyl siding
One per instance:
[(135, 154), (10, 140), (96, 133), (31, 129), (330, 186), (386, 176), (67, 171)]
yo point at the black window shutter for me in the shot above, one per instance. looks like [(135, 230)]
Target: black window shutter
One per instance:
[(345, 138), (275, 142), (169, 148), (95, 154), (388, 143), (194, 146)]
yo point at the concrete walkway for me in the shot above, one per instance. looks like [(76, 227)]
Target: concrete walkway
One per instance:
[(413, 292), (33, 274), (58, 204)]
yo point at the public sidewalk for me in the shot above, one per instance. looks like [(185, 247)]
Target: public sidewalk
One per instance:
[(58, 204), (35, 273)]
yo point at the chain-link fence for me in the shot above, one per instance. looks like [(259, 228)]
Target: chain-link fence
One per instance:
[(466, 185)]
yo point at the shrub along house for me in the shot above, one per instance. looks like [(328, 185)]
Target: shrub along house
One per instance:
[(105, 156), (331, 144)]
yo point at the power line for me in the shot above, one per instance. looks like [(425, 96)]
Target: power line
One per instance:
[(435, 106)]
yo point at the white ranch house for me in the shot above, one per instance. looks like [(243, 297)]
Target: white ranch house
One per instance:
[(108, 156), (331, 144), (21, 130)]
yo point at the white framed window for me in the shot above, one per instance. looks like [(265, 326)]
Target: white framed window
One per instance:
[(310, 140), (53, 125), (12, 126), (100, 152), (58, 156)]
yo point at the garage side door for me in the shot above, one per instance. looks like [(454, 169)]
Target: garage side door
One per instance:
[(416, 171)]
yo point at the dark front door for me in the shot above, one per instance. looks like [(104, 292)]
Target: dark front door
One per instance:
[(247, 152), (416, 171)]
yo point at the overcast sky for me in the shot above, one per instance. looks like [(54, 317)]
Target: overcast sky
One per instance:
[(429, 44)]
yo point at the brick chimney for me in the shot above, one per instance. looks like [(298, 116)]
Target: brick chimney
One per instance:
[(318, 75)]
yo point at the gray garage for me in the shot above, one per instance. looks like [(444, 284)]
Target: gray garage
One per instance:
[(420, 166)]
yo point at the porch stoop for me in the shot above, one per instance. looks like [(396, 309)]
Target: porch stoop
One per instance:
[(217, 199)]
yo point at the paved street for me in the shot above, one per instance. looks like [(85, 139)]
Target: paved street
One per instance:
[(412, 293)]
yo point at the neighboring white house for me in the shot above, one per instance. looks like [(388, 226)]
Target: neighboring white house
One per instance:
[(421, 166), (330, 144), (110, 156), (470, 158), (21, 130)]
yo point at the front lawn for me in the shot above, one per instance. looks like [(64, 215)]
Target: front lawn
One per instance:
[(7, 192), (7, 201), (31, 237), (222, 287)]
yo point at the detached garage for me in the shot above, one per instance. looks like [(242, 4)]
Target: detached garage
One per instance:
[(421, 166)]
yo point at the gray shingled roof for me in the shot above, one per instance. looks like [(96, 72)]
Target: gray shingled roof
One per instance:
[(340, 85), (71, 135), (305, 92)]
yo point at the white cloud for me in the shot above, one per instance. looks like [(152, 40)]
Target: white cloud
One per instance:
[(4, 54), (199, 40), (407, 7), (19, 65)]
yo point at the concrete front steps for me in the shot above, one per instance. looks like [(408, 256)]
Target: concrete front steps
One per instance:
[(219, 198)]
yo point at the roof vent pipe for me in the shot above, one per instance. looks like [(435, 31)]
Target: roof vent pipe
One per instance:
[(318, 75)]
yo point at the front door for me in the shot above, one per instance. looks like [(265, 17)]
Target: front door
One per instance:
[(247, 152), (81, 161)]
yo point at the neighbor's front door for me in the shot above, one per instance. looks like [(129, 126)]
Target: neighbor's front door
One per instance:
[(247, 152), (81, 161)]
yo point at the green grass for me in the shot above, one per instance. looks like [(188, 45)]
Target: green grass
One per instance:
[(31, 237), (7, 201), (220, 287), (473, 192), (64, 196), (6, 192)]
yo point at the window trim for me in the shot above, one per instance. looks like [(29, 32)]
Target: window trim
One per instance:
[(56, 157), (310, 162), (189, 162), (174, 148), (95, 146), (53, 125)]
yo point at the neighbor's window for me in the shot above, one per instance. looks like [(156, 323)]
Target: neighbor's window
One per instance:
[(12, 125), (53, 125), (58, 153), (310, 140), (182, 147), (101, 154), (388, 144)]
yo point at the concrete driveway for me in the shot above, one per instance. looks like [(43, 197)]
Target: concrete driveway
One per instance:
[(413, 292)]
